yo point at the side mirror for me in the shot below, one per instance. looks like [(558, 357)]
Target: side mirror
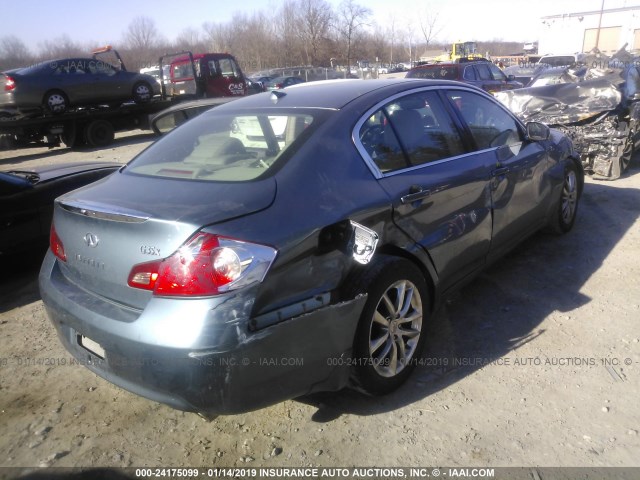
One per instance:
[(537, 131), (511, 77)]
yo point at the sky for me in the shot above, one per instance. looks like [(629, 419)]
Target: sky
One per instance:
[(104, 22)]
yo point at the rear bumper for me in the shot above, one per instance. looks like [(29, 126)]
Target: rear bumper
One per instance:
[(232, 370)]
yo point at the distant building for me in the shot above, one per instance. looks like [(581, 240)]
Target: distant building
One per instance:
[(578, 32)]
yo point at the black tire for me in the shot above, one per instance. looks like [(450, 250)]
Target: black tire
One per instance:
[(70, 135), (142, 92), (564, 214), (55, 102), (385, 352), (99, 133), (7, 141)]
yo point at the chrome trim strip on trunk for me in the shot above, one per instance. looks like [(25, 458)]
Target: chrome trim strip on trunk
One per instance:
[(103, 215)]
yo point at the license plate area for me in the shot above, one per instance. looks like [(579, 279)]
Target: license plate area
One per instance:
[(91, 346)]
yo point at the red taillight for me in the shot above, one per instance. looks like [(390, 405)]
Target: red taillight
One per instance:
[(205, 265), (57, 248), (9, 84)]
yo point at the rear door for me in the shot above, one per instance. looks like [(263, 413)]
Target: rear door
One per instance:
[(439, 191), (107, 83)]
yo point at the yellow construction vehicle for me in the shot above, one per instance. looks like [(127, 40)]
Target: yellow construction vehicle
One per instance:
[(460, 50)]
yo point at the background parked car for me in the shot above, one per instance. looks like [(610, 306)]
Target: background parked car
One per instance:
[(482, 74), (523, 73), (282, 82), (26, 201), (56, 86), (199, 251), (174, 116), (565, 60), (262, 80)]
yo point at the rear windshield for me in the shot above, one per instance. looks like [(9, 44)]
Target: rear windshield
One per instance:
[(436, 72), (225, 147)]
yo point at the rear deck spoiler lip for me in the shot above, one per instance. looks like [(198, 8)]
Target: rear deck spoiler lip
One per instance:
[(93, 212)]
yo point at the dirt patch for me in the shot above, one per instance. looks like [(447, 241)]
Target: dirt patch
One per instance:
[(534, 363)]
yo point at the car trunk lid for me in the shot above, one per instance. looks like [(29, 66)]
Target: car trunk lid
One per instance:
[(112, 225)]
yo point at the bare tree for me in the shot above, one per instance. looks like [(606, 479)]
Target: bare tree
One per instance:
[(289, 51), (217, 36), (190, 39), (409, 37), (60, 47), (315, 19), (13, 53), (351, 19), (142, 34), (393, 35), (428, 21)]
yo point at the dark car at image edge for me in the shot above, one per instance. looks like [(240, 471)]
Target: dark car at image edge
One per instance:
[(26, 201), (297, 241)]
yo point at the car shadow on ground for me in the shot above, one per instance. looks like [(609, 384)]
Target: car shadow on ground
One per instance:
[(20, 155), (504, 307)]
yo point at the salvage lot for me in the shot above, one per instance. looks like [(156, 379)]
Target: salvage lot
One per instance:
[(534, 363)]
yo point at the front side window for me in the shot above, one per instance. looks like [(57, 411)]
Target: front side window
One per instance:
[(409, 131), (101, 68), (490, 125), (224, 147), (228, 67), (496, 73)]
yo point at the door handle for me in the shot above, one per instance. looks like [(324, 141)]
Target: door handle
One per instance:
[(416, 193), (500, 171)]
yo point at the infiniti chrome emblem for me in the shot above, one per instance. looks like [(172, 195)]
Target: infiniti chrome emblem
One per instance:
[(91, 240)]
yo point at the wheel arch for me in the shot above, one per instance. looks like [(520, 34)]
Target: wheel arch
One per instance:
[(391, 250)]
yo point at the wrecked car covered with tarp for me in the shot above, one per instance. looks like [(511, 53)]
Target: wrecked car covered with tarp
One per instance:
[(596, 105)]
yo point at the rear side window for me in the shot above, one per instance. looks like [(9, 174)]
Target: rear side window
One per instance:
[(489, 124), (469, 73), (224, 147), (410, 131), (483, 72)]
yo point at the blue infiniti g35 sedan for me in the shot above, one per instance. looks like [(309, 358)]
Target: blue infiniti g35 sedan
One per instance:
[(297, 241)]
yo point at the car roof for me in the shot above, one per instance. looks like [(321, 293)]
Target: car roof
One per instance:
[(450, 64), (331, 94), (197, 56)]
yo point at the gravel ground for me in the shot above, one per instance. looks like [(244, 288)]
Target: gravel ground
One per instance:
[(535, 363)]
